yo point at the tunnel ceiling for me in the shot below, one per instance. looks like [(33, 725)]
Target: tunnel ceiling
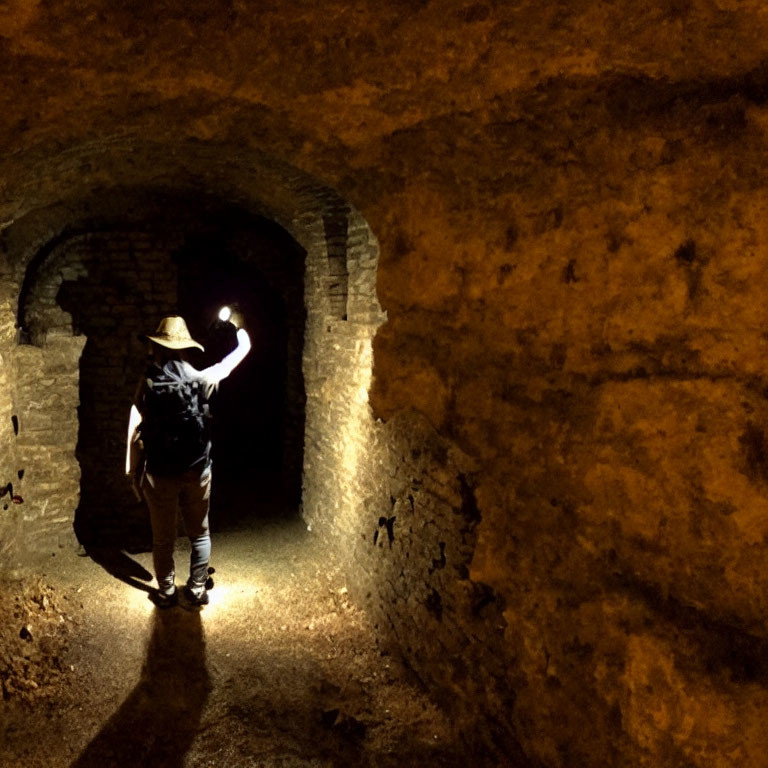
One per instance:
[(433, 118), (343, 89), (194, 210)]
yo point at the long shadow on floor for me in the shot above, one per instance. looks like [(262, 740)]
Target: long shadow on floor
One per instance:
[(118, 564), (159, 720)]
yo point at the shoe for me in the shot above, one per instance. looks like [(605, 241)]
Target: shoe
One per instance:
[(193, 598), (163, 600)]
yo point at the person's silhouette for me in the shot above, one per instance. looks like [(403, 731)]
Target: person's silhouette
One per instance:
[(157, 723)]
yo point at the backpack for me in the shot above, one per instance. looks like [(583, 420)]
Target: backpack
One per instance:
[(175, 424)]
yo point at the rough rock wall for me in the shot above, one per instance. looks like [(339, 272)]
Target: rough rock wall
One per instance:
[(605, 365), (642, 402)]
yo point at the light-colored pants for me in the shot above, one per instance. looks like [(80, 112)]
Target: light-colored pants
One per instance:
[(190, 494)]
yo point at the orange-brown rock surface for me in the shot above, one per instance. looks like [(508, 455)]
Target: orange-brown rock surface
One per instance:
[(570, 200)]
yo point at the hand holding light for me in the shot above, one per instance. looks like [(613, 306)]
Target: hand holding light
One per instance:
[(229, 315), (243, 339)]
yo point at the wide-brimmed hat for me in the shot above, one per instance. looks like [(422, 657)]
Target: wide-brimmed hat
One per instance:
[(172, 332)]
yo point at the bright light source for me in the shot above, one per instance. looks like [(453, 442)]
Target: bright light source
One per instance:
[(224, 314)]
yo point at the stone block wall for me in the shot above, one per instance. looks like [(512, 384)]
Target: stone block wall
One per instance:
[(422, 535), (47, 397), (342, 462), (10, 516), (106, 287), (337, 371)]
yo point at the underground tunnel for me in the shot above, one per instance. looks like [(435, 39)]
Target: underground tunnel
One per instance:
[(506, 266), (294, 444)]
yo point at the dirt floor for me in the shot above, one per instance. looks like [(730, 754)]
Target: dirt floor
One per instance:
[(279, 670)]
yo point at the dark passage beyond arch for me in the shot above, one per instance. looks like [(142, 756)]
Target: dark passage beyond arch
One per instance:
[(258, 428)]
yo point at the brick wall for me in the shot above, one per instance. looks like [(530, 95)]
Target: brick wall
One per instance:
[(11, 516), (105, 288), (47, 397)]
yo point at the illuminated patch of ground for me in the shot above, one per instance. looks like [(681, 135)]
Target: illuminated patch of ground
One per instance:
[(279, 670)]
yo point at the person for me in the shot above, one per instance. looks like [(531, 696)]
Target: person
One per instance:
[(172, 471)]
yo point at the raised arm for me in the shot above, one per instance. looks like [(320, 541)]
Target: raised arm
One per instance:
[(215, 373)]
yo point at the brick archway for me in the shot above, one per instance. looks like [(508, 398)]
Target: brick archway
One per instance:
[(339, 297)]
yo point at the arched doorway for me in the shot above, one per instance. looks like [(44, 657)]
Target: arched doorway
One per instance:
[(325, 355)]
